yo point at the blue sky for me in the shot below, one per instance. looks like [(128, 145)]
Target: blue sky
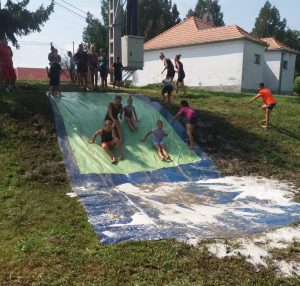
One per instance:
[(64, 27)]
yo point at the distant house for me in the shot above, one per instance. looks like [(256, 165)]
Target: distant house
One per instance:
[(35, 74), (215, 58), (279, 71)]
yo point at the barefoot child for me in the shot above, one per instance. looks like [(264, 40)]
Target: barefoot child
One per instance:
[(130, 114), (167, 91), (158, 135), (190, 120), (108, 141), (269, 102), (115, 109)]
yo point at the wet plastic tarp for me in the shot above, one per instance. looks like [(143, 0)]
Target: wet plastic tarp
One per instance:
[(83, 114)]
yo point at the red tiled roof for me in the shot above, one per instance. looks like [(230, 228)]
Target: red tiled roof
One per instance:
[(274, 45), (38, 74), (194, 31)]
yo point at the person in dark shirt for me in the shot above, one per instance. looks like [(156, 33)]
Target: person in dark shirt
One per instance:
[(54, 74), (181, 75), (93, 66), (103, 69), (168, 66), (117, 68), (108, 141), (81, 59)]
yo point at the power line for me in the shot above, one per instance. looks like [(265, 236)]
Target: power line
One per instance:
[(74, 7), (71, 11)]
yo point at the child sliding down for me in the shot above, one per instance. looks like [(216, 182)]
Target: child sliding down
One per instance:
[(108, 141), (130, 114), (158, 135)]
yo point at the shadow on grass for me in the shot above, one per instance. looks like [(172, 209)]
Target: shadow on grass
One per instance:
[(285, 132)]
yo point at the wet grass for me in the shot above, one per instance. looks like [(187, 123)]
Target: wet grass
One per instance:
[(45, 238)]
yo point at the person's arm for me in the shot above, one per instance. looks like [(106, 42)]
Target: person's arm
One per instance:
[(97, 133), (175, 117), (165, 63), (254, 98), (121, 112), (134, 113), (146, 136)]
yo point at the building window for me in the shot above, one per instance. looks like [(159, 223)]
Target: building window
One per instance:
[(257, 59), (285, 65)]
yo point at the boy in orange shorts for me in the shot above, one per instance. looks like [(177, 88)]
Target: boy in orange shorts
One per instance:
[(269, 102)]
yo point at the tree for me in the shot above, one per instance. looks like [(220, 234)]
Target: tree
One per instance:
[(16, 20), (269, 24), (212, 6), (105, 12), (292, 39), (95, 33), (150, 24)]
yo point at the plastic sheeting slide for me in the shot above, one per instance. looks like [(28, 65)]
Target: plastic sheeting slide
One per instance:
[(144, 198)]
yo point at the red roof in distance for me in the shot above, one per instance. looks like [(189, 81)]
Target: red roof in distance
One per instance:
[(274, 45)]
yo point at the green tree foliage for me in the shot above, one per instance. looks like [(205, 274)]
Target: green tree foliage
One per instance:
[(16, 20), (297, 85), (156, 16), (105, 12), (269, 24), (95, 33), (212, 6)]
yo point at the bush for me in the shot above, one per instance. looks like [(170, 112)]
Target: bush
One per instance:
[(297, 85)]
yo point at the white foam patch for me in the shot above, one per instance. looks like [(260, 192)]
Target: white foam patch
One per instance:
[(175, 204), (257, 250)]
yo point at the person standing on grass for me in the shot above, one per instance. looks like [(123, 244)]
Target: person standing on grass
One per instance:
[(117, 68), (72, 69), (81, 59), (269, 102), (190, 117), (108, 141), (168, 66), (54, 74), (167, 90), (93, 66), (181, 75), (6, 66), (103, 69)]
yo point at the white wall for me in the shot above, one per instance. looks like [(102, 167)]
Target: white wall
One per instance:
[(214, 66), (287, 82), (252, 72), (272, 71)]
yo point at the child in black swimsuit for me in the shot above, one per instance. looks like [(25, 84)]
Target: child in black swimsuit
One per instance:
[(115, 110), (108, 141), (181, 75), (130, 114)]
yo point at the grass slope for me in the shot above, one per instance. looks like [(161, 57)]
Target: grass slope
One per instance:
[(45, 238)]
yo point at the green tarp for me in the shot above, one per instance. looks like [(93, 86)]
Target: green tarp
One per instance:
[(83, 114)]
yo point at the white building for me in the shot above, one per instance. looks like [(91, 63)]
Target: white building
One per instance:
[(279, 71), (214, 58)]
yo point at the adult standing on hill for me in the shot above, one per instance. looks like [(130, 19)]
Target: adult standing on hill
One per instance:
[(6, 66), (181, 74), (103, 68), (93, 66), (81, 58), (168, 66)]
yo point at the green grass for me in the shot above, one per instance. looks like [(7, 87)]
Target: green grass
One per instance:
[(45, 238)]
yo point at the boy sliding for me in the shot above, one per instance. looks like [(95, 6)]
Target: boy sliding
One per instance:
[(158, 135), (108, 141), (269, 102)]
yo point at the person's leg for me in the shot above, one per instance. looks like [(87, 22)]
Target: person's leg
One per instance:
[(85, 80), (164, 151), (133, 122), (267, 117), (105, 82), (119, 131), (184, 89), (107, 148), (169, 98), (96, 77), (118, 143), (127, 119), (177, 86), (92, 76), (158, 150), (189, 131)]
